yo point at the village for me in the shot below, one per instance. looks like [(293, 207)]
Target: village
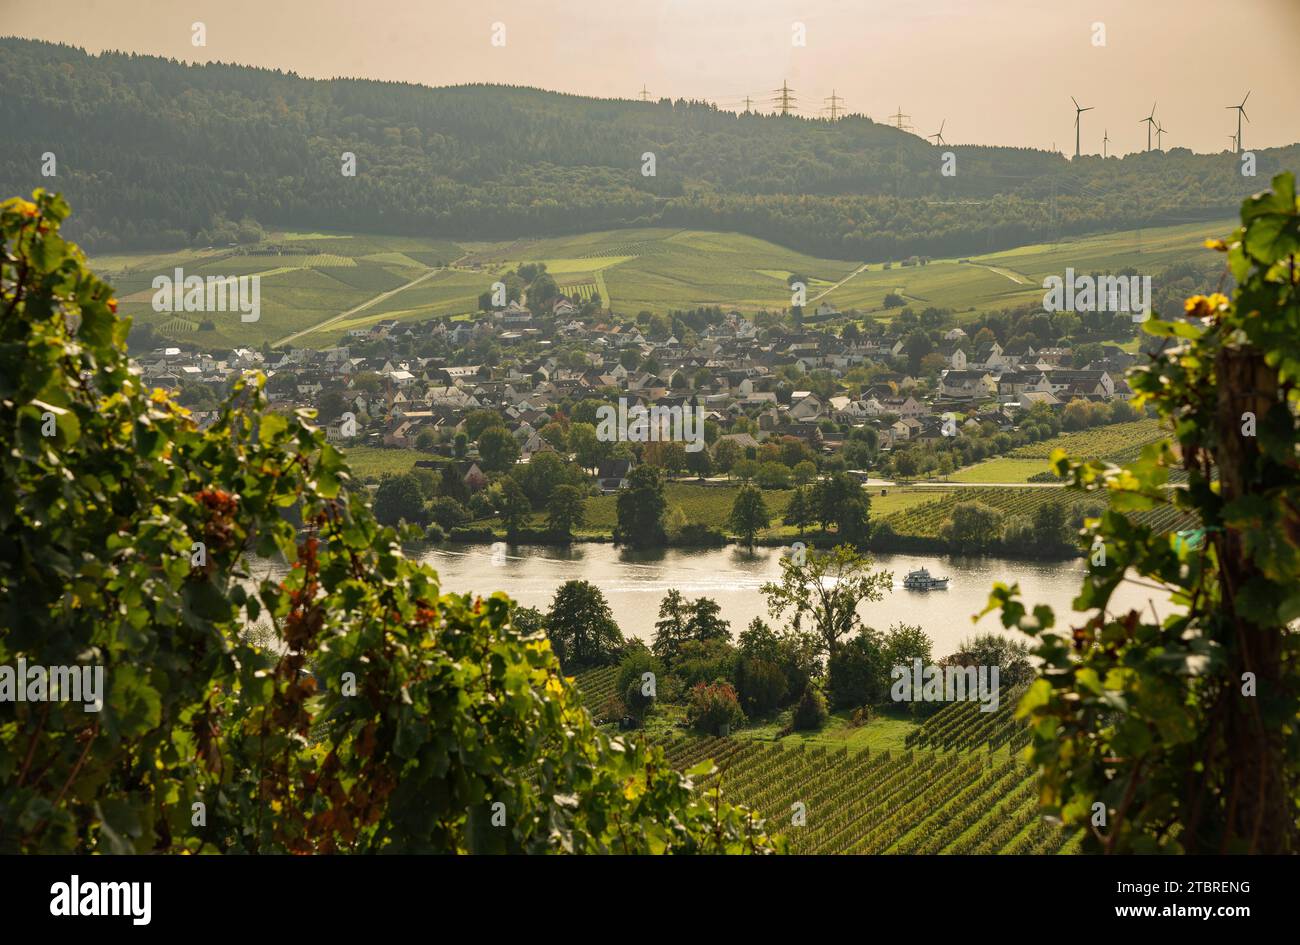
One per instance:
[(850, 392)]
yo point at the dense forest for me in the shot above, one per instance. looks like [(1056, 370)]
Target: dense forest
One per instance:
[(155, 153)]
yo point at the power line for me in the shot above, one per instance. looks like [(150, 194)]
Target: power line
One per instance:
[(784, 99), (833, 108)]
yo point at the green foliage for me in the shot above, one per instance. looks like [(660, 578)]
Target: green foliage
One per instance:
[(581, 627), (1183, 730), (761, 685), (399, 499), (810, 714), (709, 706), (825, 588), (749, 514), (565, 510), (857, 673), (498, 449), (641, 510), (973, 528), (455, 710)]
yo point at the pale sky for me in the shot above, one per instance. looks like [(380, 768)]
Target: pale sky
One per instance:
[(998, 71)]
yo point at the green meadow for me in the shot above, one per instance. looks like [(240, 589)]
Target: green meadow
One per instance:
[(309, 280)]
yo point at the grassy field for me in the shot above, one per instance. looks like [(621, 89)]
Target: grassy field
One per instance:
[(1001, 469), (368, 461), (1117, 442), (710, 505), (310, 277)]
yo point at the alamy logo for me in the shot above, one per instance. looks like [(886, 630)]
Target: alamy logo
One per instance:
[(103, 899), (1130, 294), (84, 684), (640, 424), (919, 683), (182, 293)]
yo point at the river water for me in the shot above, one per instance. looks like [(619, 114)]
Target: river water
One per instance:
[(635, 582)]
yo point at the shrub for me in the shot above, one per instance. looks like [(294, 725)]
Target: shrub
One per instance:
[(761, 684), (631, 676), (709, 706), (706, 661), (810, 714), (433, 532)]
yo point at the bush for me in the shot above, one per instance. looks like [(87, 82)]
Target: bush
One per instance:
[(631, 674), (434, 533), (761, 684), (857, 674), (713, 705), (810, 714), (698, 535), (706, 661)]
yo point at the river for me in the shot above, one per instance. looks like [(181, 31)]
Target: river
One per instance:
[(635, 582)]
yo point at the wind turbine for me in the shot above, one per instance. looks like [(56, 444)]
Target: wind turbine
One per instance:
[(938, 135), (1150, 120), (1241, 113), (1233, 139), (1160, 130), (1077, 112), (1105, 140)]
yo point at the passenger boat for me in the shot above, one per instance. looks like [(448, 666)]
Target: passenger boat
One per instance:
[(922, 581)]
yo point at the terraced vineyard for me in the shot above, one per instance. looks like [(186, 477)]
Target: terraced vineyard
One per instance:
[(596, 685), (928, 519), (579, 291), (1116, 442), (878, 802), (961, 726)]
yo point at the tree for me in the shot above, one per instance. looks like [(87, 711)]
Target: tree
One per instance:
[(542, 475), (826, 589), (588, 450), (704, 621), (799, 510), (839, 499), (905, 643), (858, 674), (699, 463), (513, 505), (581, 626), (641, 508), (476, 421), (152, 523), (805, 471), (670, 628), (726, 454), (1182, 729), (566, 510), (498, 449), (772, 476), (399, 499), (749, 514), (972, 528)]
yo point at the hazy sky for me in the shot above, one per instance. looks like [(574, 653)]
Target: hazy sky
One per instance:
[(998, 71)]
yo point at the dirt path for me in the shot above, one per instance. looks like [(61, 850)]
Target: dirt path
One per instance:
[(288, 339), (825, 292)]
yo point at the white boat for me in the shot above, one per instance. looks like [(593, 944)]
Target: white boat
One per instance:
[(922, 581)]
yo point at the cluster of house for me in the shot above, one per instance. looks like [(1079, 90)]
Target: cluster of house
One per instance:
[(728, 370)]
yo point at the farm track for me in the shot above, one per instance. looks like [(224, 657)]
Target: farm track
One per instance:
[(333, 319)]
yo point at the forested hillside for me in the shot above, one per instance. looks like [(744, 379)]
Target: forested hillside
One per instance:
[(154, 153)]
